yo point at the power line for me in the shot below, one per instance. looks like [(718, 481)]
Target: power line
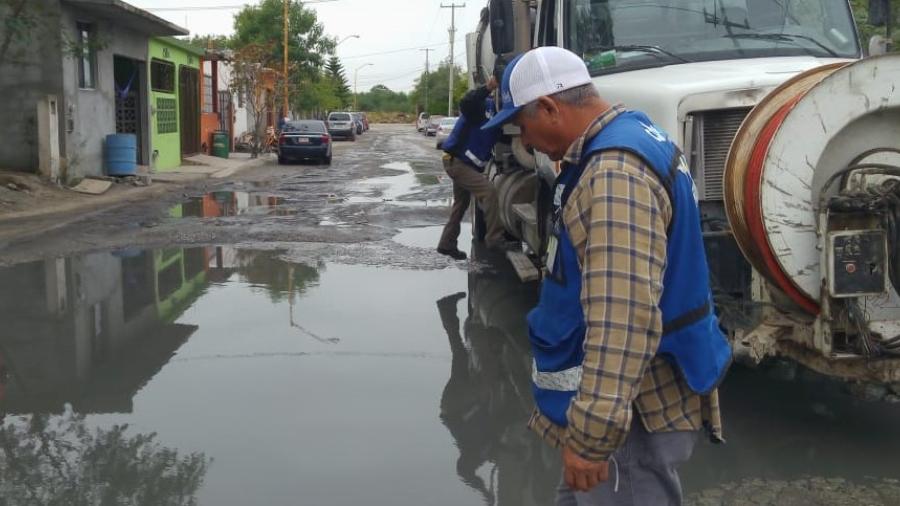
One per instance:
[(393, 51), (221, 7), (434, 23), (375, 80)]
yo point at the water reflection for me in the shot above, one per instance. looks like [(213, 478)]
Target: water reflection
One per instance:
[(92, 330), (81, 337), (232, 203), (62, 460), (487, 399)]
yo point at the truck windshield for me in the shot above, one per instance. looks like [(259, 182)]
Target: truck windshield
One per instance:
[(617, 35)]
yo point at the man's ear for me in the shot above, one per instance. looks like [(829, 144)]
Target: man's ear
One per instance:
[(549, 107)]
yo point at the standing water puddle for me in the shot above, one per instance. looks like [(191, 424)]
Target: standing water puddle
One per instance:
[(232, 203), (392, 189), (245, 379)]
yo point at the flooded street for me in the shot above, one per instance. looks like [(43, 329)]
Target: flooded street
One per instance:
[(292, 338)]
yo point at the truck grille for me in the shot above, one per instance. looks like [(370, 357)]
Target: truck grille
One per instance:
[(713, 133)]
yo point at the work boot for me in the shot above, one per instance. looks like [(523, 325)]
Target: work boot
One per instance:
[(454, 253)]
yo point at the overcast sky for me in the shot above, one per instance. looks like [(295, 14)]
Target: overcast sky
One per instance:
[(384, 26)]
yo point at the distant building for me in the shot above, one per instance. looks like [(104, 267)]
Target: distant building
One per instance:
[(219, 109)]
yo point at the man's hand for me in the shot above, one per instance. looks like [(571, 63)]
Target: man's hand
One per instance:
[(582, 475), (492, 84)]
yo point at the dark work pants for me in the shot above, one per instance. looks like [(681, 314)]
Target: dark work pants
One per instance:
[(644, 468), (467, 182)]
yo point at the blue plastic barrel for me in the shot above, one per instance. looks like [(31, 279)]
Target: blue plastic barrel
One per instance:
[(121, 154)]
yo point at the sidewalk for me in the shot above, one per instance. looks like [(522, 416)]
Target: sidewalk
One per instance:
[(199, 167), (38, 207)]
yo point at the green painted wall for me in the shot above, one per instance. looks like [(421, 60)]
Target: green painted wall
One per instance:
[(168, 145)]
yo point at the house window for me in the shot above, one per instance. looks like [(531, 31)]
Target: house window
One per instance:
[(207, 94), (87, 60), (162, 76), (166, 115)]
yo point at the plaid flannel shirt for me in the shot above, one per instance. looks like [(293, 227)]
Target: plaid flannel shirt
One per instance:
[(617, 218)]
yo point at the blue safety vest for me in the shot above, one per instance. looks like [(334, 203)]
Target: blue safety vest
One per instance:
[(692, 340), (471, 144)]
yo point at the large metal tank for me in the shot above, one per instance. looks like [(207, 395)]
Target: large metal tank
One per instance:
[(804, 133)]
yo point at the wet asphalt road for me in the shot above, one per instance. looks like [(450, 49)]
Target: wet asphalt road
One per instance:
[(290, 337)]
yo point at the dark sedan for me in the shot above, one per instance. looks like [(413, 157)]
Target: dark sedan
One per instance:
[(304, 140)]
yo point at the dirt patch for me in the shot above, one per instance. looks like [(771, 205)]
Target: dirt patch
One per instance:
[(391, 117)]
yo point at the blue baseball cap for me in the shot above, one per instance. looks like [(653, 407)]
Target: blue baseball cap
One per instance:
[(541, 72)]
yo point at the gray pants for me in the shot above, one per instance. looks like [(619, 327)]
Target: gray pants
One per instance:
[(645, 469), (467, 182)]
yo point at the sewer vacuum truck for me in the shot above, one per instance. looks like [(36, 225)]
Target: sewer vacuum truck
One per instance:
[(793, 141)]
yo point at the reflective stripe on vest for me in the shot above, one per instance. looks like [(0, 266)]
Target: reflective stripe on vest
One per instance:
[(560, 381), (474, 159)]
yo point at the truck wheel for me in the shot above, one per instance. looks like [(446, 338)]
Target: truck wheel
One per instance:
[(479, 227)]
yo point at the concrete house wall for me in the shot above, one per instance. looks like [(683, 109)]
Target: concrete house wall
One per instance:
[(29, 73), (167, 146), (91, 113)]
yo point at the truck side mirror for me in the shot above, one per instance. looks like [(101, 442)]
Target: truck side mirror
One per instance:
[(502, 26), (878, 45), (879, 12)]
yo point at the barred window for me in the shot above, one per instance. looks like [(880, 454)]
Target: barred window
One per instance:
[(207, 94), (162, 76), (166, 115), (87, 61)]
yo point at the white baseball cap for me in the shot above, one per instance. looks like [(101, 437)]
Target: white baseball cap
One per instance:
[(538, 73)]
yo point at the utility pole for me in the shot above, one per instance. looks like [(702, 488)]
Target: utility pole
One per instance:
[(452, 8), (427, 51), (285, 63)]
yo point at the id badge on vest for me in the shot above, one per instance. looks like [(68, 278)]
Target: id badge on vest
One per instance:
[(552, 254), (554, 265)]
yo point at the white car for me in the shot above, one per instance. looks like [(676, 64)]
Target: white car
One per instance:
[(422, 121), (443, 130)]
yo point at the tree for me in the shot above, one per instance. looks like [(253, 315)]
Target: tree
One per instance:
[(437, 83), (382, 99), (261, 87), (61, 460), (866, 31), (210, 41), (316, 96), (335, 71), (262, 25), (19, 22)]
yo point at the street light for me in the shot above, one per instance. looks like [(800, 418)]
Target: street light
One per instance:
[(355, 80), (354, 36)]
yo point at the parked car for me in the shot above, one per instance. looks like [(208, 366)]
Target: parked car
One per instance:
[(443, 130), (432, 126), (341, 124), (422, 121), (357, 120), (304, 140)]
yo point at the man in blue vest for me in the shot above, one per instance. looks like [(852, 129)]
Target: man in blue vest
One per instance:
[(467, 152), (627, 348)]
